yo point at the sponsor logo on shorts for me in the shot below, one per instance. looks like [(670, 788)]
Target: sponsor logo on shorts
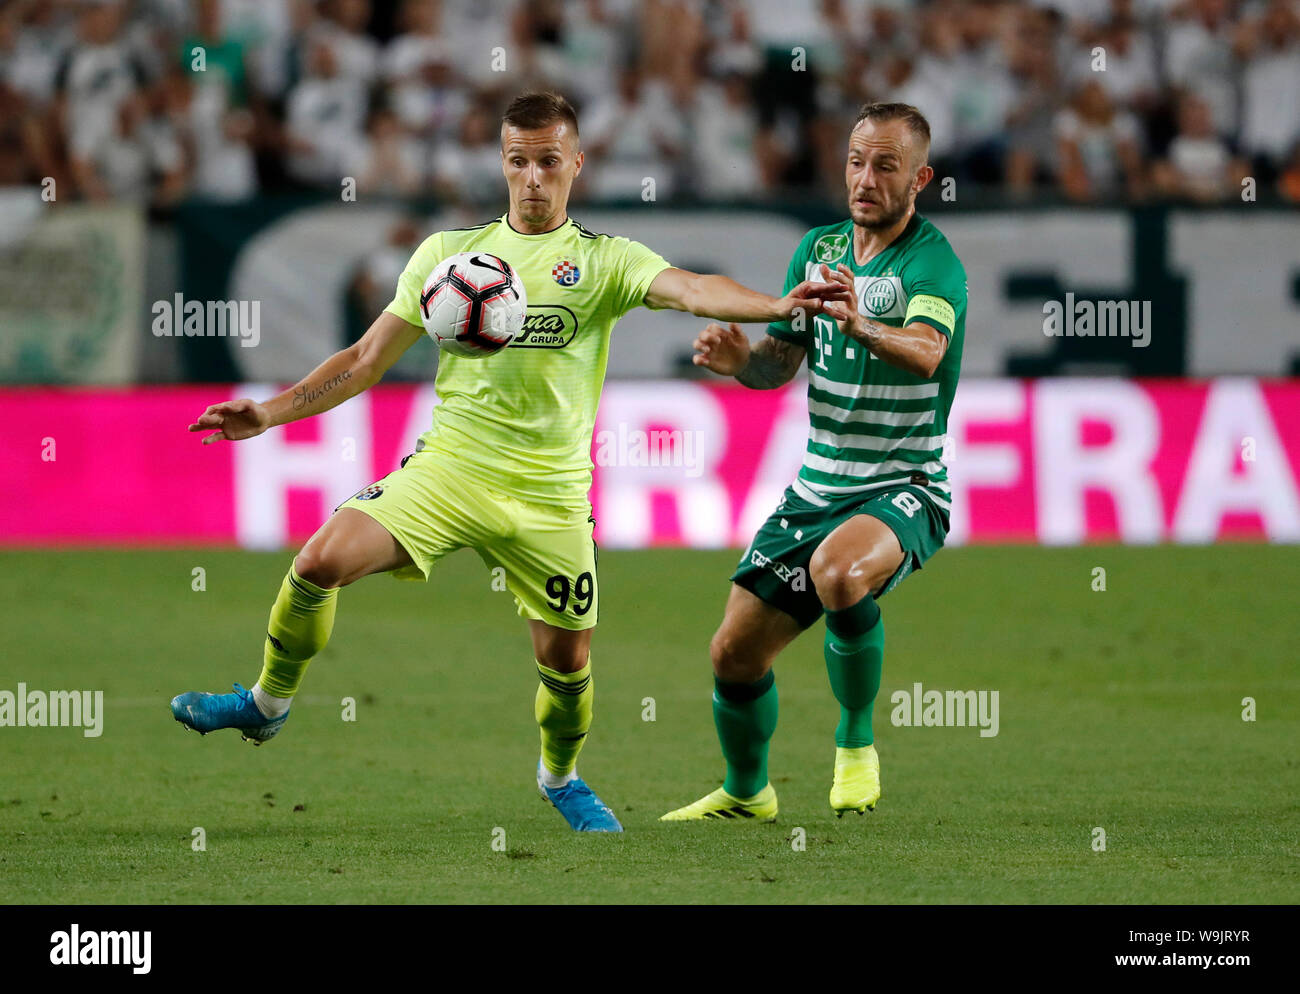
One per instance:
[(795, 576), (546, 326), (371, 492)]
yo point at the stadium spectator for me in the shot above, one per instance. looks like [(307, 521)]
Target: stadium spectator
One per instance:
[(1129, 75), (387, 161), (1199, 166), (98, 77), (593, 41), (731, 48), (930, 92), (1270, 47), (135, 160), (431, 101), (929, 81), (1030, 124), (33, 43), (484, 34), (468, 170), (984, 94), (729, 56), (356, 54), (269, 30), (670, 34), (326, 112), (1199, 57), (225, 166), (215, 57), (1097, 147), (722, 122), (420, 43), (536, 56), (632, 135)]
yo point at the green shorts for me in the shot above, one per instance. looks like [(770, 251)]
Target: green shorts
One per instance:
[(775, 566), (543, 554)]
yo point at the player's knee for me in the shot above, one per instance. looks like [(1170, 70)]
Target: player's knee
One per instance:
[(559, 649), (731, 662), (563, 658), (840, 583), (316, 566)]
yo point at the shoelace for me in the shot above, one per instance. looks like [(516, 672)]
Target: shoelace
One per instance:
[(580, 789), (245, 696), (575, 788)]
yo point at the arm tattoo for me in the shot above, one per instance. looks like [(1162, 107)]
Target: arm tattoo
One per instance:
[(308, 394), (772, 363)]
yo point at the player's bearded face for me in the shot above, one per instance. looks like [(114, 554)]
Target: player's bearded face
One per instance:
[(880, 174), (540, 166)]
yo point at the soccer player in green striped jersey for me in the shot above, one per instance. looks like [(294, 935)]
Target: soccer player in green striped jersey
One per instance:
[(871, 502), (506, 466)]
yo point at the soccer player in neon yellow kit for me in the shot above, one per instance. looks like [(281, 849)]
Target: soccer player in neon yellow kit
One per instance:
[(506, 467)]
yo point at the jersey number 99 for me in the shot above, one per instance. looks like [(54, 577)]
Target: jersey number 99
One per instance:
[(581, 591)]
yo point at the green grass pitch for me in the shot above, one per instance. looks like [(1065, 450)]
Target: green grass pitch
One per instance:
[(1119, 710)]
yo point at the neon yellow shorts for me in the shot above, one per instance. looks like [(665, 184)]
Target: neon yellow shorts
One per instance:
[(544, 555)]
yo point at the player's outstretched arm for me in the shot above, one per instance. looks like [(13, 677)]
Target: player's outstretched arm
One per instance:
[(769, 364), (917, 348), (344, 374), (723, 299)]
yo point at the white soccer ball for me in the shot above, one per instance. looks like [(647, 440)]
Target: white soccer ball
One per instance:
[(473, 304)]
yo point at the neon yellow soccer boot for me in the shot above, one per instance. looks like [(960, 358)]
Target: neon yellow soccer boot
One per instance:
[(722, 806), (857, 780)]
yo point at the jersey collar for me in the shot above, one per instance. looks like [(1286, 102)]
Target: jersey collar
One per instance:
[(505, 219), (908, 231)]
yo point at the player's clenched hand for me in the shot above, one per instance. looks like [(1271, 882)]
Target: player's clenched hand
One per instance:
[(844, 308), (810, 297), (723, 350), (233, 420)]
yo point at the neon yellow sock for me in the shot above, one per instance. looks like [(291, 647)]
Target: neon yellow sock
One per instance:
[(300, 625), (563, 711)]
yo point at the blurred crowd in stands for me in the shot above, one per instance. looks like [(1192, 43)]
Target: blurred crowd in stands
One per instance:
[(1090, 100)]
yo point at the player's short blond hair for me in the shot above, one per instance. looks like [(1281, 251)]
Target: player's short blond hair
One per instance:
[(909, 115)]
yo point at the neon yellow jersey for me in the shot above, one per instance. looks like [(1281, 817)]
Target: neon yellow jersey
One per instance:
[(522, 419)]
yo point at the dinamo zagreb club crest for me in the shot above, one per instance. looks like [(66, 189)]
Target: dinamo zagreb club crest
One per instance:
[(566, 273), (830, 248)]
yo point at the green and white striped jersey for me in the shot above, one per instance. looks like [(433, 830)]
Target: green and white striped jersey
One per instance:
[(873, 425)]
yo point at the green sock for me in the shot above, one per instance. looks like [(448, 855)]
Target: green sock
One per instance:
[(562, 708), (300, 625), (855, 654), (745, 715)]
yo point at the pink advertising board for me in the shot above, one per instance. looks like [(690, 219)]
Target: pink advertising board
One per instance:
[(1059, 461)]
